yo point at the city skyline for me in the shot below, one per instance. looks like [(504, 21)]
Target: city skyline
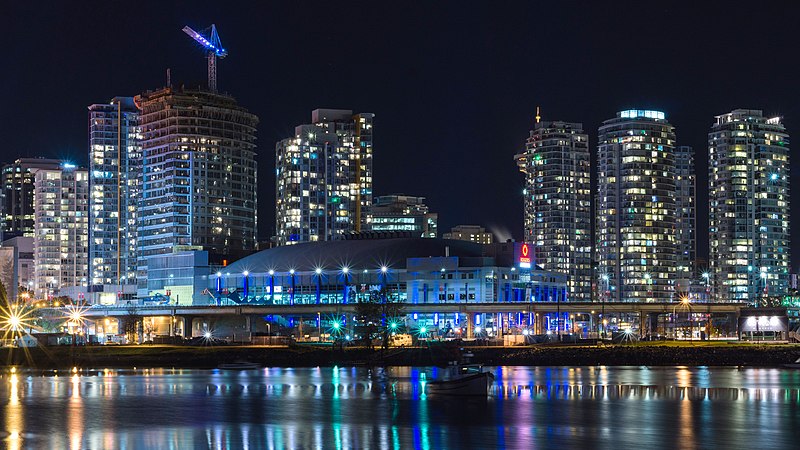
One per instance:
[(481, 117)]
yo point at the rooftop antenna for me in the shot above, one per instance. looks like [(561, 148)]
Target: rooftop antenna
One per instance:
[(538, 117), (169, 78), (214, 49)]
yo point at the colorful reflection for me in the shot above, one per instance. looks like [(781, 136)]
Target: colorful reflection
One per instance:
[(347, 407)]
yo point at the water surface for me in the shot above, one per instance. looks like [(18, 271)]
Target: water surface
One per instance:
[(344, 408)]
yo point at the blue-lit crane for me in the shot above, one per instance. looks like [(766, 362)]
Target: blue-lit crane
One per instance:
[(215, 50)]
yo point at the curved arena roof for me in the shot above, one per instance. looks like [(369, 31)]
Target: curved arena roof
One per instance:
[(355, 254)]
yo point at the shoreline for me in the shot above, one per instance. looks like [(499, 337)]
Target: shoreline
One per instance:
[(185, 357)]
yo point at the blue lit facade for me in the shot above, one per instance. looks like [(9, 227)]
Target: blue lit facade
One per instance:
[(115, 170), (465, 276), (199, 178)]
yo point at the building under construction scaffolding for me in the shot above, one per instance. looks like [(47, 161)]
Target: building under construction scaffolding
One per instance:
[(199, 178)]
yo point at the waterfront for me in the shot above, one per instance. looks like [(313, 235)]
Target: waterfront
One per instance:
[(672, 353), (348, 407)]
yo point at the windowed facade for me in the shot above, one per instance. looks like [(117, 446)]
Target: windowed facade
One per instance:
[(558, 202), (404, 213), (199, 176), (748, 157), (61, 238), (635, 207), (18, 193), (685, 221), (324, 178), (115, 170)]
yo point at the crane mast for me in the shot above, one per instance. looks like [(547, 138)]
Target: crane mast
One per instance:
[(214, 50)]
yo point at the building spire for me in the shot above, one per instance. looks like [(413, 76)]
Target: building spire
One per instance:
[(538, 117)]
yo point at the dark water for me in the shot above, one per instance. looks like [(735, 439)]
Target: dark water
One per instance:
[(344, 408)]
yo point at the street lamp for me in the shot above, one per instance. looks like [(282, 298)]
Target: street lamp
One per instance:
[(245, 284), (606, 293), (291, 294), (318, 272), (272, 286), (647, 280), (346, 279)]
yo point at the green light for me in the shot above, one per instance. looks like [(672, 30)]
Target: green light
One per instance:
[(393, 325), (423, 330), (336, 325)]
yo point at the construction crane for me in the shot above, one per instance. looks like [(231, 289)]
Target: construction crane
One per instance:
[(214, 49)]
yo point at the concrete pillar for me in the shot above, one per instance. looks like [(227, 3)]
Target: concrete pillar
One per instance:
[(643, 325), (470, 325), (187, 326)]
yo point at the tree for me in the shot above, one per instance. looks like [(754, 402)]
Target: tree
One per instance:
[(130, 324), (374, 314), (769, 302), (3, 296)]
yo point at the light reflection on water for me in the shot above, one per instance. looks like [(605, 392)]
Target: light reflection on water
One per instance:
[(343, 408)]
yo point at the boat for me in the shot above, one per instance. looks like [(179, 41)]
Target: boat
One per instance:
[(240, 365), (794, 365), (468, 380)]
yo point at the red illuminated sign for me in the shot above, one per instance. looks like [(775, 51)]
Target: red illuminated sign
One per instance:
[(525, 255)]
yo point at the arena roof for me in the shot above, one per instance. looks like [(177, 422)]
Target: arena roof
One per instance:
[(354, 254)]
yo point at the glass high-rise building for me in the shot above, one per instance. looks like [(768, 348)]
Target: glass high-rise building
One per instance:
[(558, 196), (685, 220), (199, 177), (324, 178), (115, 172), (17, 195), (748, 156), (635, 207), (61, 230)]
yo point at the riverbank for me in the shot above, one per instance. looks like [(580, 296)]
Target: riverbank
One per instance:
[(639, 354)]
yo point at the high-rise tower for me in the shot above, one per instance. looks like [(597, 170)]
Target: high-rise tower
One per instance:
[(115, 172), (61, 232), (199, 176), (324, 177), (18, 193), (685, 220), (748, 163), (635, 207), (558, 202)]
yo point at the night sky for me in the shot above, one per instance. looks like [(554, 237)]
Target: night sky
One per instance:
[(454, 85)]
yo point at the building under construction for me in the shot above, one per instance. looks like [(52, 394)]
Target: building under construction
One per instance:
[(199, 178)]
